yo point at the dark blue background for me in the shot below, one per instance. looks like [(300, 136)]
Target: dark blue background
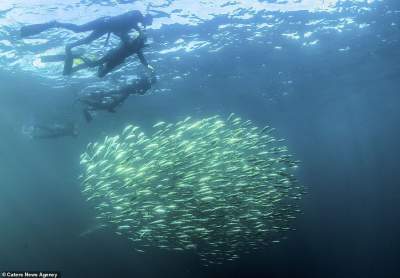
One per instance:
[(340, 118)]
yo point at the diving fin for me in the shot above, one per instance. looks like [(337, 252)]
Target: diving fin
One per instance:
[(34, 29)]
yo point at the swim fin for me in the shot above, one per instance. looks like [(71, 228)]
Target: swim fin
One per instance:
[(34, 29)]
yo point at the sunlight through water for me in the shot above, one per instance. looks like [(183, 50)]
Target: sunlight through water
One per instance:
[(175, 31)]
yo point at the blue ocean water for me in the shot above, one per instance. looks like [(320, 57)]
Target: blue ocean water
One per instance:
[(325, 74)]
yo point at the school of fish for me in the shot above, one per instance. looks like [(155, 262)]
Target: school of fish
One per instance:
[(217, 187)]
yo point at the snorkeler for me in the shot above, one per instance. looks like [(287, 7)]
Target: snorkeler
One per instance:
[(116, 57), (108, 101), (51, 131), (119, 25)]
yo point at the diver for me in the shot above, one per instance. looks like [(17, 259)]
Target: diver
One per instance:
[(119, 25), (57, 130), (101, 101), (116, 57), (108, 101)]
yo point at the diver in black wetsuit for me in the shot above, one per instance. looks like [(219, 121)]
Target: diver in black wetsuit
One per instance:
[(117, 56), (52, 131), (108, 101), (119, 25)]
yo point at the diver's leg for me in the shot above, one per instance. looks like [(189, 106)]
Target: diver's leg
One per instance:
[(45, 136), (70, 26), (42, 131), (34, 29), (93, 25), (68, 53), (87, 63)]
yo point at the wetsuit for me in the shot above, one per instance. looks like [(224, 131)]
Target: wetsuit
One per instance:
[(116, 57), (109, 101), (119, 25)]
